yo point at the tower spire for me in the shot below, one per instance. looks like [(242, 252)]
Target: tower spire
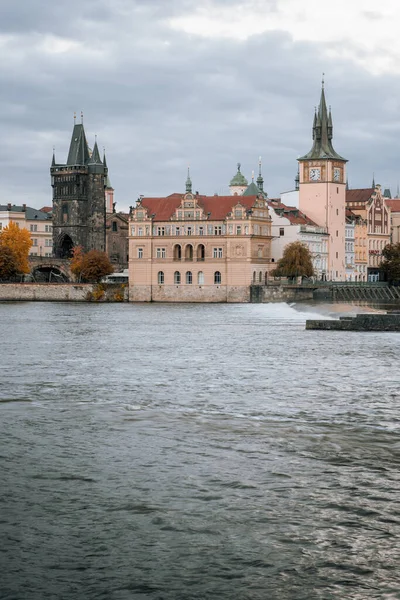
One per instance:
[(322, 132), (53, 162), (373, 180), (188, 182), (260, 179)]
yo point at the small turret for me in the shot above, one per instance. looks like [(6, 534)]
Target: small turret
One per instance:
[(260, 179), (238, 183)]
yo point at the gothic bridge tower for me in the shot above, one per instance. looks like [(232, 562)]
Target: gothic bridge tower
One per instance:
[(322, 188), (79, 205)]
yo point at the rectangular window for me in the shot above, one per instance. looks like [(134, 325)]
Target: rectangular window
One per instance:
[(238, 230), (132, 231), (218, 230), (114, 226), (201, 230), (189, 231), (140, 252), (337, 233), (35, 242), (161, 253), (217, 253), (337, 254), (140, 231), (160, 230), (281, 231), (177, 231), (33, 227)]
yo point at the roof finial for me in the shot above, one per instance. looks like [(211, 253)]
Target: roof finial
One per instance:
[(238, 166), (82, 117), (95, 137), (373, 180), (252, 176), (260, 180), (74, 117), (323, 80), (188, 182)]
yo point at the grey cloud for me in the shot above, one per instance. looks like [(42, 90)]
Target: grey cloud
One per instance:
[(159, 99)]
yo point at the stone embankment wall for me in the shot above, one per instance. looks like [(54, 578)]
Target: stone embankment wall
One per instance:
[(62, 292), (261, 293)]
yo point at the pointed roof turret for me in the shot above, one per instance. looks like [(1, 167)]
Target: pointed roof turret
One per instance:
[(251, 190), (260, 179), (322, 133), (95, 158), (53, 162), (104, 159), (78, 150), (387, 193), (188, 182), (373, 180), (239, 179)]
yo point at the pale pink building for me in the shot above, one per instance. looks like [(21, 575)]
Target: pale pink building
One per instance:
[(322, 189), (194, 248)]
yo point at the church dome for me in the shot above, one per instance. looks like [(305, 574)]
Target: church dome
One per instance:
[(239, 179)]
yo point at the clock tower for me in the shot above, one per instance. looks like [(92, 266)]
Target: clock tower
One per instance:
[(322, 189)]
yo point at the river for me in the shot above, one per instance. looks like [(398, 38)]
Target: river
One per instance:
[(196, 452)]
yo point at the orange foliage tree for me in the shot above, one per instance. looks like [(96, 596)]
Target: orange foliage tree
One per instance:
[(8, 263), (90, 266), (76, 261), (19, 242)]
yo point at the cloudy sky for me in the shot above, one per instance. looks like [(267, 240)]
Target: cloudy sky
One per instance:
[(167, 83)]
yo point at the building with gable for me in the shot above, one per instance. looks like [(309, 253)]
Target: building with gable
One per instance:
[(194, 248), (322, 189), (374, 230)]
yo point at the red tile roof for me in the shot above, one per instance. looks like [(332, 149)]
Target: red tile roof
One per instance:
[(292, 213), (218, 206), (393, 204), (361, 196), (46, 209)]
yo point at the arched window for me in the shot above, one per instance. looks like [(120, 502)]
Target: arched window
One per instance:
[(160, 277), (64, 213), (200, 278), (201, 252), (189, 252), (177, 252), (189, 277), (260, 277), (266, 278), (177, 277), (254, 276), (217, 277)]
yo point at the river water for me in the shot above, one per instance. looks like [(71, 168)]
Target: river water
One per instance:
[(195, 452)]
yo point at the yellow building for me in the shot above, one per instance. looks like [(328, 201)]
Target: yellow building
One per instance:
[(194, 248), (37, 222)]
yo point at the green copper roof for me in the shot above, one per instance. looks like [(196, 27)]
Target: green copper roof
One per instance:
[(322, 134), (239, 178), (252, 190)]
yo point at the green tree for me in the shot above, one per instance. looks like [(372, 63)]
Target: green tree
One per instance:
[(391, 262), (19, 242), (8, 263), (91, 266), (295, 262)]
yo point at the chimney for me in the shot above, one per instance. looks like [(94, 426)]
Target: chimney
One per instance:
[(24, 208)]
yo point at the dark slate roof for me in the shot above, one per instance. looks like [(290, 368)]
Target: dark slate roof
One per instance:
[(95, 158), (78, 150), (322, 134), (31, 213)]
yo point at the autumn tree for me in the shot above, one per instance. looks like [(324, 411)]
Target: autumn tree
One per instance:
[(90, 266), (76, 261), (295, 262), (19, 242), (391, 262), (8, 263)]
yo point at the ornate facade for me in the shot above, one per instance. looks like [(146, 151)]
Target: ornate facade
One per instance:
[(194, 248)]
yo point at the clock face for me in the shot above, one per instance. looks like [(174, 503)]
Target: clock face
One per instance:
[(315, 174), (336, 174)]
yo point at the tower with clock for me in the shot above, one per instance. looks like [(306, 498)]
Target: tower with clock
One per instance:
[(322, 188)]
